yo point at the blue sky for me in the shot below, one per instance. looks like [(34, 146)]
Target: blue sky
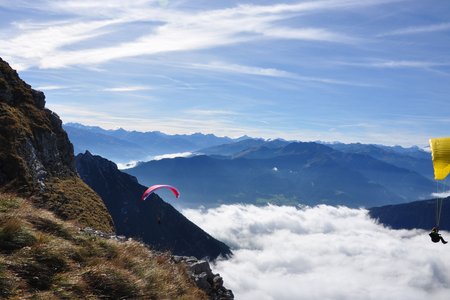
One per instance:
[(333, 70)]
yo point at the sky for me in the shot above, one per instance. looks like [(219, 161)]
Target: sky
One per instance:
[(372, 71), (323, 252)]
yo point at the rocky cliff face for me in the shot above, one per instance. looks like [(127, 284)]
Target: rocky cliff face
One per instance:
[(153, 221), (36, 157)]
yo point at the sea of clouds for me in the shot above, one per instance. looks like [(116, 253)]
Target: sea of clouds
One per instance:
[(323, 252)]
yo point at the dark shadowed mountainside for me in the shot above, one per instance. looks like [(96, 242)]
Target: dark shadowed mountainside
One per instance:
[(153, 221), (418, 214), (307, 173), (36, 156)]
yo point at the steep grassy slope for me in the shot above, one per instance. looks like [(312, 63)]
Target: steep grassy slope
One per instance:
[(36, 156), (43, 257)]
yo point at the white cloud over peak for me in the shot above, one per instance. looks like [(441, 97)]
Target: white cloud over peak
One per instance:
[(441, 194), (323, 252), (172, 155)]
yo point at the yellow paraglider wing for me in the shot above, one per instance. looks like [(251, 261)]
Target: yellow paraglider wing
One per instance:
[(440, 153)]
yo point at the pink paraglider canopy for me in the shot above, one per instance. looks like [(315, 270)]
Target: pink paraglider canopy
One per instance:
[(160, 186)]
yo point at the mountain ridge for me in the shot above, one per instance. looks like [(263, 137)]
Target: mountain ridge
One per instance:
[(299, 172), (153, 221)]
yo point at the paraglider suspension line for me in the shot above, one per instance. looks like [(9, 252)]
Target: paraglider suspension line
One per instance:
[(439, 200)]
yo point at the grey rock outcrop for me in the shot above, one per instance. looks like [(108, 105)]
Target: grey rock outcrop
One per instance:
[(200, 271), (34, 145)]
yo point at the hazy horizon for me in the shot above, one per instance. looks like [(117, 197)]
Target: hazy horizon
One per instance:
[(170, 155)]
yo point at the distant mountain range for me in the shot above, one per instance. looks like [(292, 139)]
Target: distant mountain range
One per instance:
[(282, 172), (153, 221), (236, 149), (122, 146), (413, 158), (251, 170)]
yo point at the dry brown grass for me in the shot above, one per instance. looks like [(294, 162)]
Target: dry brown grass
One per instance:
[(61, 262), (72, 199)]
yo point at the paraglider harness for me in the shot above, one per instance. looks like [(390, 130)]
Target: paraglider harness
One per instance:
[(435, 236)]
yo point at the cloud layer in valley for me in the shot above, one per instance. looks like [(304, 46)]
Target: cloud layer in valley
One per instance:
[(323, 252)]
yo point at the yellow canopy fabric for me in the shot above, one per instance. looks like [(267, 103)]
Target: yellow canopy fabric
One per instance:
[(440, 153)]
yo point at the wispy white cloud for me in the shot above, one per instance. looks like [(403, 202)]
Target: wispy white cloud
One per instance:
[(311, 34), (242, 69), (418, 29), (211, 112), (32, 43), (334, 81), (323, 253), (269, 72), (407, 64), (357, 125), (50, 44), (310, 6), (74, 113), (122, 89), (50, 87), (396, 64)]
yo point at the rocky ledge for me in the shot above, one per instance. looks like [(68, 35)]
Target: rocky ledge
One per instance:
[(201, 273)]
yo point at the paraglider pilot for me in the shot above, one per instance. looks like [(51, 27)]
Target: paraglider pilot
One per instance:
[(436, 237)]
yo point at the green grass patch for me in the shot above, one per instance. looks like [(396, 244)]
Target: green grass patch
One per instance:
[(9, 203)]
